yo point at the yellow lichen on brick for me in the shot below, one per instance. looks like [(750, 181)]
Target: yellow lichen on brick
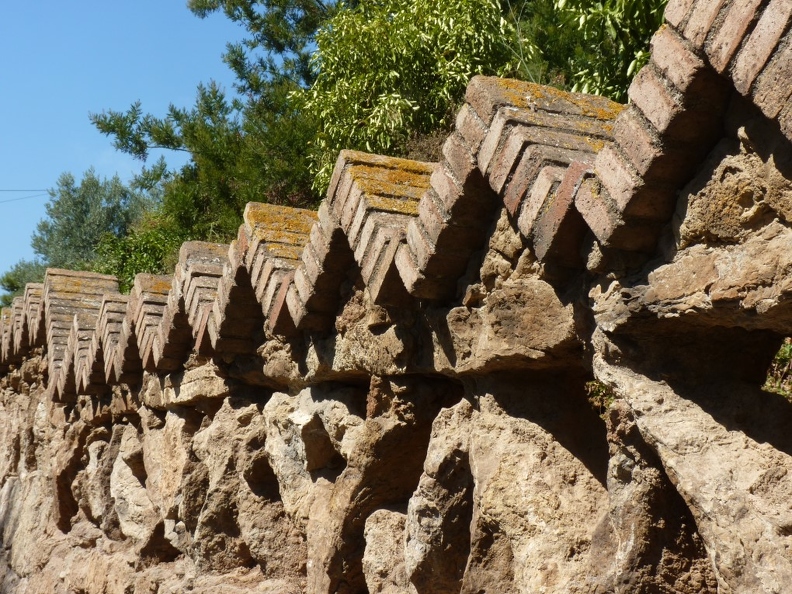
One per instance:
[(268, 235), (526, 95), (596, 144), (283, 251), (396, 177), (88, 286), (405, 193), (356, 158), (394, 205), (155, 285), (260, 216)]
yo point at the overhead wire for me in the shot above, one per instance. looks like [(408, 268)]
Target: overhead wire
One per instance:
[(24, 198)]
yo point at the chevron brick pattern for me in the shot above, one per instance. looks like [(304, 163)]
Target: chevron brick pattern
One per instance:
[(569, 169)]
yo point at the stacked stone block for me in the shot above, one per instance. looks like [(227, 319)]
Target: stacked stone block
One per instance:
[(92, 366), (34, 318), (6, 333), (371, 201), (261, 266), (528, 145)]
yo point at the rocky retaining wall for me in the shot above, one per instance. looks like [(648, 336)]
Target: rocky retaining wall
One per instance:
[(535, 366)]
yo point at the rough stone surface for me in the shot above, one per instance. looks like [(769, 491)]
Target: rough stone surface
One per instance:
[(560, 389)]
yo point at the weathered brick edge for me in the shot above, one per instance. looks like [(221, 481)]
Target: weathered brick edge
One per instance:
[(364, 219), (750, 43), (72, 301), (513, 141), (193, 289), (705, 51)]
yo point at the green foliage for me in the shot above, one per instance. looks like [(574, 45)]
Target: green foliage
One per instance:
[(150, 246), (600, 396), (541, 44), (391, 68), (280, 38), (613, 42), (13, 282), (79, 215), (779, 377), (239, 154)]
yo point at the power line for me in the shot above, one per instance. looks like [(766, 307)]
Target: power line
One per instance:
[(36, 190), (23, 198)]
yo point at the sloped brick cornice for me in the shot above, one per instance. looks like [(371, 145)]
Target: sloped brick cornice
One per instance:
[(568, 168)]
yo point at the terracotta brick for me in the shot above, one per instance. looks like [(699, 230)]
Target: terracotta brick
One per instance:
[(546, 183), (485, 95), (470, 128), (496, 135), (653, 98), (408, 269), (760, 45), (676, 11), (315, 297), (384, 283), (20, 339), (637, 140), (34, 313), (444, 188), (662, 106), (774, 85), (338, 173), (375, 223), (303, 318), (421, 246), (559, 230), (353, 219), (674, 59), (631, 195), (608, 226), (280, 320), (739, 16), (701, 20), (435, 221), (533, 160), (467, 206), (505, 159), (459, 160), (513, 129)]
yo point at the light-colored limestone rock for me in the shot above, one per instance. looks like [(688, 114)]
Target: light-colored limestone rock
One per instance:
[(737, 488), (383, 560), (136, 513)]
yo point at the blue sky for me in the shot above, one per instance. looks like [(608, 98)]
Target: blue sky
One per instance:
[(60, 61)]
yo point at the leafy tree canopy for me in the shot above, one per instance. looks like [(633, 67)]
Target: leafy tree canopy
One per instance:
[(79, 214), (389, 69), (13, 282), (280, 38), (612, 42)]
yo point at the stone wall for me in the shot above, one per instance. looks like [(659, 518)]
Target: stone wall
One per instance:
[(535, 366)]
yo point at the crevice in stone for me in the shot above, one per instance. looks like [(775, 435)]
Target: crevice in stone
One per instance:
[(157, 549), (67, 507)]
